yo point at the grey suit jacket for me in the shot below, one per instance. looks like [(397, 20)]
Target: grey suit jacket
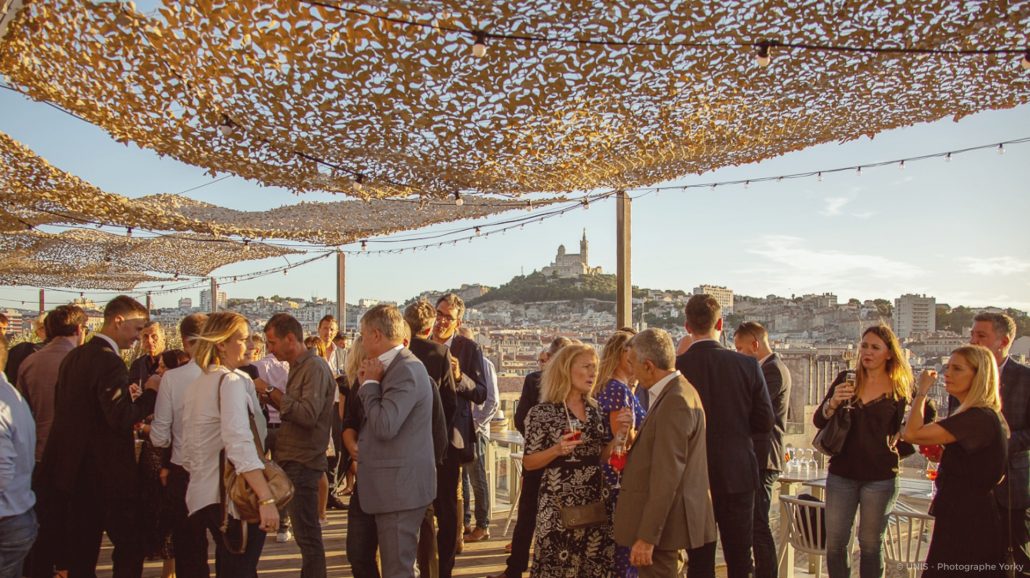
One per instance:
[(397, 469), (664, 498)]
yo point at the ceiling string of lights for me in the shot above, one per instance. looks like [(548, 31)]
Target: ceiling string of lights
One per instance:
[(762, 48)]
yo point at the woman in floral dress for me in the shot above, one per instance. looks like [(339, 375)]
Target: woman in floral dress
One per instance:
[(572, 467), (613, 393)]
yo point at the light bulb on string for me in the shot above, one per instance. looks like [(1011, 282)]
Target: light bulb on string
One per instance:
[(457, 199), (128, 232), (586, 202), (359, 182), (479, 48), (762, 55), (819, 176), (747, 184), (364, 245), (1026, 60), (947, 158), (901, 165), (478, 231), (227, 126), (858, 171), (1001, 149)]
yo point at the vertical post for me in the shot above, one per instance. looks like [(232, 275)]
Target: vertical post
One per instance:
[(624, 286), (341, 290), (214, 295), (42, 301), (150, 303)]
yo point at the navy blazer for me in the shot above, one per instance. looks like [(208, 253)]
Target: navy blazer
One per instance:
[(769, 447), (93, 419), (529, 398), (737, 406), (1015, 407), (471, 389)]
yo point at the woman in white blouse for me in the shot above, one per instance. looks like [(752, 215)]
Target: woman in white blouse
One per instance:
[(222, 347)]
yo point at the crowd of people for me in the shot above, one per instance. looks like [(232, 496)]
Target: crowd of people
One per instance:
[(634, 455)]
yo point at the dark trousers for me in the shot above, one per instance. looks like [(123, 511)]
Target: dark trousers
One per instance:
[(446, 508), (227, 564), (94, 508), (1018, 523), (701, 561), (734, 514), (522, 536), (336, 463), (428, 556), (362, 540), (188, 540), (765, 547), (303, 510)]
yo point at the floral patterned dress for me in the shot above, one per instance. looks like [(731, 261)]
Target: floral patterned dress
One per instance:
[(562, 553), (613, 398)]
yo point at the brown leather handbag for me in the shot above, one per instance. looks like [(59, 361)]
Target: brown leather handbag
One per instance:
[(236, 488)]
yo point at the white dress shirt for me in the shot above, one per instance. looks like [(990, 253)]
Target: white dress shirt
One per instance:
[(207, 433), (168, 410), (655, 390), (386, 358), (117, 350)]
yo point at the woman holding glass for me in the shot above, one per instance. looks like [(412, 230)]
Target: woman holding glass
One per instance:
[(567, 437), (967, 529), (865, 472), (613, 393), (219, 406)]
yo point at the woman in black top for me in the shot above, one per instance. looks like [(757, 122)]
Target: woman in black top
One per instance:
[(865, 472), (967, 532)]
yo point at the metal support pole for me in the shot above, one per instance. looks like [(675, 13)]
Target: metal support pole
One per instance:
[(214, 295), (624, 287), (42, 301), (150, 303), (341, 290)]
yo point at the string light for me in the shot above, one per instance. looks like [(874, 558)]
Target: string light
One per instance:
[(947, 158), (457, 199), (1001, 149), (762, 55), (479, 48), (359, 182), (747, 184), (364, 245), (819, 176), (128, 232), (227, 126), (901, 165), (478, 231), (1026, 60), (858, 171)]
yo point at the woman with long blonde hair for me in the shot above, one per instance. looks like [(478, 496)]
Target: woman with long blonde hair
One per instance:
[(865, 472), (567, 437), (967, 531), (613, 393), (219, 407)]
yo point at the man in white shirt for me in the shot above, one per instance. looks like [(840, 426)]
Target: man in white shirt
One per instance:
[(167, 431)]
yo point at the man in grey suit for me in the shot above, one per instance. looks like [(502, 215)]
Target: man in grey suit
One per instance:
[(397, 468), (664, 505)]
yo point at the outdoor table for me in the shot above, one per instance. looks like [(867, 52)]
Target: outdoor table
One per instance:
[(513, 440)]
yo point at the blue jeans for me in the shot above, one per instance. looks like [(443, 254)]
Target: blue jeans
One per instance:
[(844, 497), (17, 533), (474, 474), (303, 510)]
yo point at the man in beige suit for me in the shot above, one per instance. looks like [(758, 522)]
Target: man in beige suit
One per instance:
[(665, 505)]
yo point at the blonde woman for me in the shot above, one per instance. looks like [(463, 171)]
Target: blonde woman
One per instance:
[(351, 410), (612, 392), (967, 528), (865, 473), (223, 346), (568, 438)]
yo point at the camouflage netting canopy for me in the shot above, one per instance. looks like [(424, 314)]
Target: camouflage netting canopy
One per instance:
[(386, 99)]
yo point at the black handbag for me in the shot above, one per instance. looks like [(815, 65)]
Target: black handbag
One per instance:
[(830, 439)]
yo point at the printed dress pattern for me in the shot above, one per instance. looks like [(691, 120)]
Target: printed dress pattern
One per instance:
[(562, 553)]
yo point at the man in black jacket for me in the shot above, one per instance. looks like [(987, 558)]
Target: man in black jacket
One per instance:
[(752, 340), (89, 465), (737, 407), (522, 535), (420, 317), (997, 331), (467, 367)]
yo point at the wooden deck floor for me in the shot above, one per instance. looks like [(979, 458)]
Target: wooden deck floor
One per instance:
[(477, 560)]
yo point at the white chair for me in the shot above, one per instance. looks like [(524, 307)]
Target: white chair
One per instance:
[(515, 459), (907, 540), (807, 521)]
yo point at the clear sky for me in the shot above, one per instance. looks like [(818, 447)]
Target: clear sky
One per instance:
[(959, 231)]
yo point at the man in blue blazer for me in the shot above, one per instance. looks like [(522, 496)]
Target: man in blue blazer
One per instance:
[(736, 403), (470, 384), (997, 331), (397, 467)]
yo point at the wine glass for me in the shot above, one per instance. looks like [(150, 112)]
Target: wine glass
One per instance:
[(931, 474), (575, 429), (617, 459)]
